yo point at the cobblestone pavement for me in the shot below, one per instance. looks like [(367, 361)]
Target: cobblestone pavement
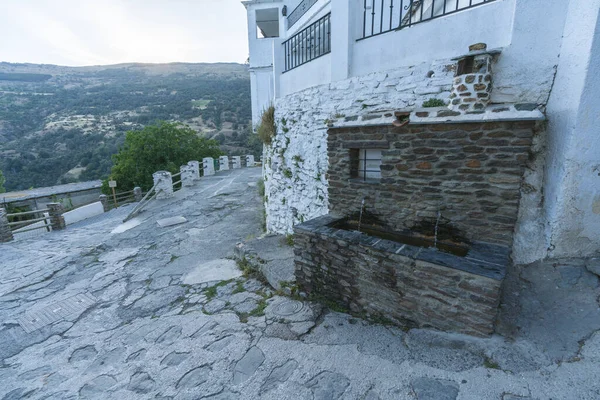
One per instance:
[(105, 311)]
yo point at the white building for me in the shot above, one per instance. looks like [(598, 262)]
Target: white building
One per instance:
[(333, 61)]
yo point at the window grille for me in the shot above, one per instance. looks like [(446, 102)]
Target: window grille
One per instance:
[(365, 164)]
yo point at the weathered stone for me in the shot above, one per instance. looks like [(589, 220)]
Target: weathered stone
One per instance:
[(98, 386), (248, 365), (279, 375), (593, 265), (328, 385), (434, 389), (470, 78), (193, 378), (525, 106), (141, 382)]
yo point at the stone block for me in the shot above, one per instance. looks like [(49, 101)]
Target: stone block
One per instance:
[(223, 163), (208, 166), (163, 184), (195, 166), (57, 221), (5, 232)]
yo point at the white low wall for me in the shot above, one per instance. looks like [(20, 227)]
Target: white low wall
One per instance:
[(81, 213)]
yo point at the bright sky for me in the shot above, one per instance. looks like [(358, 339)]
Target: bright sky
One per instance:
[(92, 32)]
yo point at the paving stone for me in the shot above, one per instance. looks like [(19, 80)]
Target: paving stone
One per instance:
[(154, 301), (141, 382), (593, 265), (137, 355), (328, 385), (165, 222), (434, 389), (18, 394), (215, 270), (110, 359), (160, 282), (35, 373), (509, 396), (215, 306), (170, 336), (248, 365), (371, 395), (220, 344), (173, 359), (246, 307), (98, 386), (194, 377), (83, 354), (279, 375)]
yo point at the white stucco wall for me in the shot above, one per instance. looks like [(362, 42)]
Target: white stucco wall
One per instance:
[(560, 204), (314, 73), (572, 180), (81, 213), (441, 38)]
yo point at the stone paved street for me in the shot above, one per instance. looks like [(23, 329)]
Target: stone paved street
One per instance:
[(136, 311)]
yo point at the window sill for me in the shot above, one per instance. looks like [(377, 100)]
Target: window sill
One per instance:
[(366, 182)]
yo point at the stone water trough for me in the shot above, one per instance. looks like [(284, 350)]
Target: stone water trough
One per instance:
[(400, 276), (440, 202)]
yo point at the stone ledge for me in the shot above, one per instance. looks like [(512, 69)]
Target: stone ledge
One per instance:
[(497, 113), (483, 259)]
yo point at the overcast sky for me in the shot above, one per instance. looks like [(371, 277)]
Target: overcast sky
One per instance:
[(92, 32)]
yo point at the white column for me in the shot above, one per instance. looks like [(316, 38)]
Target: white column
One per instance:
[(249, 160), (223, 163), (163, 182), (342, 41), (195, 165), (187, 175), (237, 162), (208, 166)]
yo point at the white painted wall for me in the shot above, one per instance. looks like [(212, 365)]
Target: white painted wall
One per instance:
[(572, 180), (314, 73), (444, 37), (81, 213), (560, 205)]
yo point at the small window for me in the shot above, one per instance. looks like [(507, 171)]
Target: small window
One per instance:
[(365, 164), (466, 66)]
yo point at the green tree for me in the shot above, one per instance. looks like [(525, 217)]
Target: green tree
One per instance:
[(161, 147), (2, 180)]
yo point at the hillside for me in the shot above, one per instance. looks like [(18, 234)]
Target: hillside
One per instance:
[(62, 124)]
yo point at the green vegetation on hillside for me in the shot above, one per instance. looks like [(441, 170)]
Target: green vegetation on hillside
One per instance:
[(162, 147), (66, 128)]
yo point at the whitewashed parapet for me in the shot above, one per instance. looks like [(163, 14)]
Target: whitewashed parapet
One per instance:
[(237, 162), (187, 175), (249, 160), (208, 166), (195, 165), (223, 163), (163, 184)]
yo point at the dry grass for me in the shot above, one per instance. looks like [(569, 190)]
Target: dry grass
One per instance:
[(266, 130)]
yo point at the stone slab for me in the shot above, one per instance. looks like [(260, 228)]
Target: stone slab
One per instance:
[(37, 319), (215, 270), (163, 223)]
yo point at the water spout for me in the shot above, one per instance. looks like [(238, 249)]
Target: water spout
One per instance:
[(362, 206), (435, 233)]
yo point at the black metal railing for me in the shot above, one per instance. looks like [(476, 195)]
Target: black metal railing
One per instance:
[(381, 16), (310, 43), (299, 11)]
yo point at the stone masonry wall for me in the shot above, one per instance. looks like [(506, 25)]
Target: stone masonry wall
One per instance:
[(296, 163), (331, 264), (470, 172)]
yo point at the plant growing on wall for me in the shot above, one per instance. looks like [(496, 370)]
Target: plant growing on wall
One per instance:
[(2, 180), (266, 130), (434, 103)]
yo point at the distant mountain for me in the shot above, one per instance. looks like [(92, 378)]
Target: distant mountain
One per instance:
[(62, 124)]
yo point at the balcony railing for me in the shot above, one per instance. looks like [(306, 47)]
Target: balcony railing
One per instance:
[(299, 11), (310, 43), (381, 16)]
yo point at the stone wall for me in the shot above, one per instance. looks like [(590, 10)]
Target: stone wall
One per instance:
[(295, 163), (380, 278), (471, 173)]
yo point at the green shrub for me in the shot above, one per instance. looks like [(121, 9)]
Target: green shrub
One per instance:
[(266, 130), (434, 103)]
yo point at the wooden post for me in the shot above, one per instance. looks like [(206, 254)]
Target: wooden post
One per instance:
[(113, 184)]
